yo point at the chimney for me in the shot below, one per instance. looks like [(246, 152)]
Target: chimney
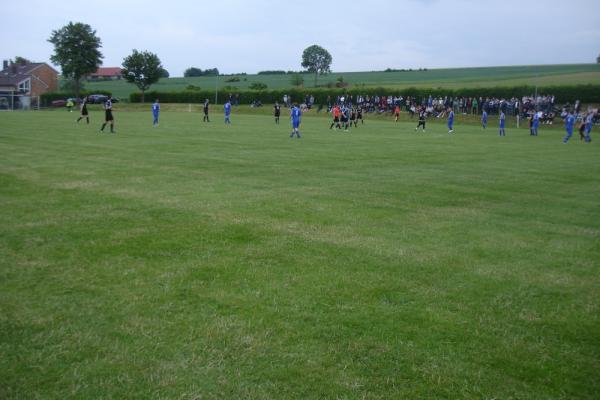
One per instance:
[(4, 65)]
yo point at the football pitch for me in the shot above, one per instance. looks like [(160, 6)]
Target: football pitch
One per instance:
[(204, 261)]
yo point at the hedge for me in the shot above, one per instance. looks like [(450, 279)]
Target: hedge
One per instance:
[(47, 98), (563, 94)]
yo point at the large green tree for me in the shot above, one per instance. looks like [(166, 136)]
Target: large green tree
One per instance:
[(76, 51), (143, 69), (316, 60)]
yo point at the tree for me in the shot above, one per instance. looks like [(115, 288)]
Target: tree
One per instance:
[(193, 71), (22, 60), (598, 60), (317, 60), (76, 51), (164, 73), (297, 80), (142, 69)]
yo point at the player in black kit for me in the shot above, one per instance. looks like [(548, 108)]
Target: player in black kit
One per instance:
[(84, 112), (205, 118), (277, 111), (108, 117), (422, 114)]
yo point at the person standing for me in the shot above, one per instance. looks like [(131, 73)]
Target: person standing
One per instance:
[(155, 111), (277, 112), (450, 120), (108, 116), (535, 124), (205, 108), (396, 113), (502, 131), (84, 112), (569, 124), (484, 119), (422, 115), (227, 109), (589, 119), (295, 116)]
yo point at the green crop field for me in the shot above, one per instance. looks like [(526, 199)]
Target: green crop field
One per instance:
[(203, 261), (542, 75)]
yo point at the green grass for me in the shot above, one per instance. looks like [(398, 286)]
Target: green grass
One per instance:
[(541, 75), (208, 261)]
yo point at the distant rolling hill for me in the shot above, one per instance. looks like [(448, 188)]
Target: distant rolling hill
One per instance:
[(541, 75)]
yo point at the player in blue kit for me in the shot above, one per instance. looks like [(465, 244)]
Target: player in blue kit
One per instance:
[(484, 118), (502, 123), (227, 109), (535, 124), (155, 111), (569, 124), (295, 116), (450, 120), (589, 119)]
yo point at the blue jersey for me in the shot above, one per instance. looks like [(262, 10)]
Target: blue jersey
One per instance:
[(451, 117), (484, 117), (155, 108), (296, 114), (227, 108), (536, 119), (502, 119), (570, 121)]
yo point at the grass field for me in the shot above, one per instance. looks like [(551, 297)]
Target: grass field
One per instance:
[(197, 261), (541, 75)]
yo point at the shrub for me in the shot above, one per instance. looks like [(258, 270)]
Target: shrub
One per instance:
[(47, 98), (258, 86), (233, 79)]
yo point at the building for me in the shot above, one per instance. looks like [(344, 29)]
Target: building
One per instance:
[(106, 73), (28, 78)]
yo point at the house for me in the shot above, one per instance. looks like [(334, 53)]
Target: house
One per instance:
[(105, 73), (28, 78)]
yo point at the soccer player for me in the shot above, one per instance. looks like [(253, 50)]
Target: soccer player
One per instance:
[(345, 117), (569, 123), (295, 116), (227, 109), (84, 112), (484, 119), (502, 131), (277, 112), (155, 111), (108, 117), (422, 115), (359, 115), (535, 124), (336, 117), (450, 120), (396, 113), (588, 126), (205, 118), (353, 117)]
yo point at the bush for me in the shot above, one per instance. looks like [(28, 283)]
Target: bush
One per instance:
[(258, 86), (47, 98), (233, 79)]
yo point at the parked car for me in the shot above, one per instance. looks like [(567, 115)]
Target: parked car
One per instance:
[(59, 103), (97, 98)]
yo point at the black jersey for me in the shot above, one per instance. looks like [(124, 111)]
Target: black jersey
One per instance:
[(206, 108), (277, 110), (422, 115)]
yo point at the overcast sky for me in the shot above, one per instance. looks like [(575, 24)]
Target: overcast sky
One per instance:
[(249, 36)]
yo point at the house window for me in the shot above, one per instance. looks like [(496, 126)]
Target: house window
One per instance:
[(25, 86)]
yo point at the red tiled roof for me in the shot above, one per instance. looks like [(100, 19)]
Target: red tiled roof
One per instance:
[(107, 71)]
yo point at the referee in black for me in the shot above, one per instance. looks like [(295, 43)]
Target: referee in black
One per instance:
[(108, 117), (205, 119)]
